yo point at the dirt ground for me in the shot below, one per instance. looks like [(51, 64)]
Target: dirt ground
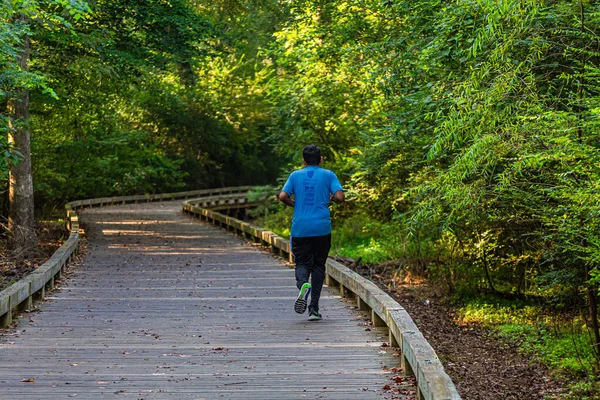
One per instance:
[(13, 268), (482, 366)]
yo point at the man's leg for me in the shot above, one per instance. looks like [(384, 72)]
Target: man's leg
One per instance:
[(303, 255), (320, 247), (304, 258)]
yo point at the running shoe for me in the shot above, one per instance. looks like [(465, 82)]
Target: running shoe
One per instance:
[(302, 300), (314, 316)]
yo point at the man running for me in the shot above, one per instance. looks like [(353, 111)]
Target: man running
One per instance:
[(313, 189)]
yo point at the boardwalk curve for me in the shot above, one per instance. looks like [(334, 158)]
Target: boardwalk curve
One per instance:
[(165, 307)]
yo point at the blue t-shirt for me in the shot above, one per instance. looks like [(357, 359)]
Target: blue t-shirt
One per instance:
[(311, 186)]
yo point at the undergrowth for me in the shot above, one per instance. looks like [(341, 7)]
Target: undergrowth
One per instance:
[(560, 341), (354, 237)]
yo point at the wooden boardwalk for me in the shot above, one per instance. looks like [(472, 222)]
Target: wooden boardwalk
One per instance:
[(166, 307)]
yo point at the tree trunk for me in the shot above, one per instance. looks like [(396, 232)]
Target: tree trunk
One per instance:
[(20, 188), (186, 74), (486, 268), (593, 312), (592, 291)]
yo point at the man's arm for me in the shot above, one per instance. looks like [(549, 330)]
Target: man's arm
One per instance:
[(338, 197), (286, 199)]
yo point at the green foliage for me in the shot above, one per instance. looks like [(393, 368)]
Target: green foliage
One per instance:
[(109, 167), (563, 345), (266, 199), (21, 19), (586, 389), (357, 235), (319, 94), (20, 22), (510, 313), (8, 156), (279, 221), (146, 97), (473, 127), (559, 347)]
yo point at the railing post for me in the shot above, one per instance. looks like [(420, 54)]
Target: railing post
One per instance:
[(392, 339), (377, 321), (6, 319), (405, 365), (332, 283), (362, 306)]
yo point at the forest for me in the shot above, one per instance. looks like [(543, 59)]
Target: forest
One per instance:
[(466, 134)]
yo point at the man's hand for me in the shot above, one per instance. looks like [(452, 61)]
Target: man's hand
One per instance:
[(338, 197), (286, 199)]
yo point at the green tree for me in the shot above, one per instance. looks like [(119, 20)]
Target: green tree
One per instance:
[(21, 21), (154, 97)]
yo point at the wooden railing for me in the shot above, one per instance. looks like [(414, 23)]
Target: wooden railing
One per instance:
[(418, 357), (20, 295)]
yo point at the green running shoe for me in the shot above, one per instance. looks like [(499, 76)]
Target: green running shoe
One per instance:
[(302, 300), (314, 316)]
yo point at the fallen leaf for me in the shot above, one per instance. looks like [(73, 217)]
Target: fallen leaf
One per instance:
[(27, 380)]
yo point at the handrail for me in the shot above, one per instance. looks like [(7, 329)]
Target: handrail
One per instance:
[(107, 201), (418, 357)]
